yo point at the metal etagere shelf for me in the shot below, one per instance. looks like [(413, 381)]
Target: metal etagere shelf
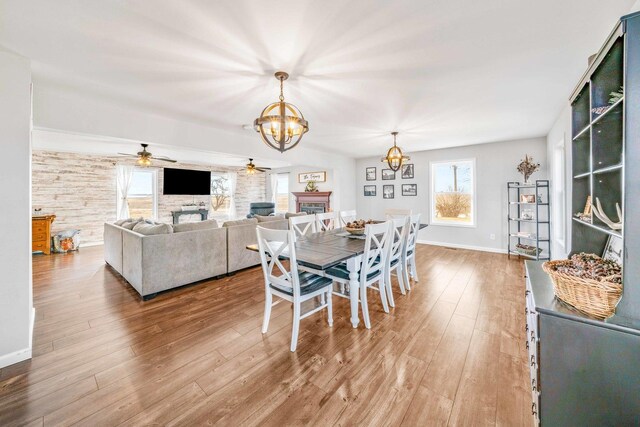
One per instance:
[(529, 219)]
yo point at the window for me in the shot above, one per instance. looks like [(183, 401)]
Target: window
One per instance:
[(282, 193), (142, 195), (220, 192), (453, 199)]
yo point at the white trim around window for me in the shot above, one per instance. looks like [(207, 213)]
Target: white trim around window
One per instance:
[(474, 205)]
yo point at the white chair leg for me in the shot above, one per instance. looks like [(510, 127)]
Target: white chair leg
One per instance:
[(405, 274), (383, 294), (389, 292), (413, 268), (268, 301), (330, 308), (400, 274), (296, 325), (387, 281), (365, 307)]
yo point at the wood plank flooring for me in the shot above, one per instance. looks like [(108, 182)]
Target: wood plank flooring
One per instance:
[(450, 353)]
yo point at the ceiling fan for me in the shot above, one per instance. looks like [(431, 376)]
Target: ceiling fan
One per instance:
[(144, 157), (251, 168)]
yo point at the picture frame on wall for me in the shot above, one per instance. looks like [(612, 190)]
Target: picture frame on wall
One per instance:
[(388, 191), (312, 176), (388, 174), (369, 190), (371, 174), (407, 171), (409, 189)]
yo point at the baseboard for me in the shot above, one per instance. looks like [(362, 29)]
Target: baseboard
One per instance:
[(24, 354), (458, 246), (87, 245), (15, 357)]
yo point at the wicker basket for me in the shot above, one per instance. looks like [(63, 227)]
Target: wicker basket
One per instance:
[(597, 299), (528, 250)]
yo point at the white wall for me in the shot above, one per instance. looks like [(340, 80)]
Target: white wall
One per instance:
[(495, 166), (559, 140), (16, 313)]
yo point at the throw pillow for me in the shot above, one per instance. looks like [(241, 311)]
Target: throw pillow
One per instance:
[(292, 214), (240, 222), (122, 221), (192, 226), (129, 225), (263, 218), (152, 229)]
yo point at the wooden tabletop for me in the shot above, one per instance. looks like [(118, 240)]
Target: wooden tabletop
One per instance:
[(323, 250)]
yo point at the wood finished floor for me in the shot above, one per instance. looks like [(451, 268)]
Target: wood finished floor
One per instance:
[(451, 352)]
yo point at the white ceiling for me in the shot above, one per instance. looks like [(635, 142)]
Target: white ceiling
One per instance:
[(443, 73)]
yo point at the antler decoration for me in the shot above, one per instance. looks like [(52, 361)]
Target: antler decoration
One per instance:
[(599, 212)]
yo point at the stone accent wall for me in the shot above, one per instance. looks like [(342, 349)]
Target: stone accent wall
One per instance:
[(80, 189)]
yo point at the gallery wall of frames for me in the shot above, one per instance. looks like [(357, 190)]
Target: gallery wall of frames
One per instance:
[(390, 182)]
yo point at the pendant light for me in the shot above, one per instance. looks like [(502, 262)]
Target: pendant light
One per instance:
[(281, 125), (394, 157)]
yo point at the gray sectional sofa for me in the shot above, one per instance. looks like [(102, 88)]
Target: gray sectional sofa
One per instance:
[(181, 254)]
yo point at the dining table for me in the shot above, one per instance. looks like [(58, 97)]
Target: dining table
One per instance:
[(322, 250)]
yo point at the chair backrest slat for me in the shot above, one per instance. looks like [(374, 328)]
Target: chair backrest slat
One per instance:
[(272, 244), (375, 249), (326, 221), (302, 225), (347, 216), (396, 213), (398, 239), (414, 228)]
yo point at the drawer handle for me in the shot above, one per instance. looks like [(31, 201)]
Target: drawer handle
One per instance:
[(533, 360), (526, 311), (527, 292), (526, 327), (527, 345), (533, 409), (533, 384), (533, 335)]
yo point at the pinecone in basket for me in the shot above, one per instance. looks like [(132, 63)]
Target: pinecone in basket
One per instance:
[(591, 266)]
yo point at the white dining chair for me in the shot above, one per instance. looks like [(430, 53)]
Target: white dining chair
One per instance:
[(397, 242), (396, 213), (289, 284), (302, 225), (347, 216), (371, 267), (326, 221), (409, 253)]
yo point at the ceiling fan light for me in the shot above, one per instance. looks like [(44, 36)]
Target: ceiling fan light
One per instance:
[(144, 162)]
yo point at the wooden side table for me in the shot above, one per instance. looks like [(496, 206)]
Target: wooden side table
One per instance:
[(41, 233)]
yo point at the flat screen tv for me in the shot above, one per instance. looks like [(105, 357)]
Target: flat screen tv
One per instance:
[(186, 182)]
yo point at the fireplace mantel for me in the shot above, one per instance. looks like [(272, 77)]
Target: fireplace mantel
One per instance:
[(323, 197)]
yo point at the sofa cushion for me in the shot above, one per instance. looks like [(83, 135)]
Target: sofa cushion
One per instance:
[(240, 222), (192, 226), (152, 229), (292, 214)]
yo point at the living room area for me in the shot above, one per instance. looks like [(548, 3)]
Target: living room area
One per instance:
[(319, 213)]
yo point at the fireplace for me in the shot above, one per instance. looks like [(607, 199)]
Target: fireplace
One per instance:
[(313, 202), (312, 208)]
